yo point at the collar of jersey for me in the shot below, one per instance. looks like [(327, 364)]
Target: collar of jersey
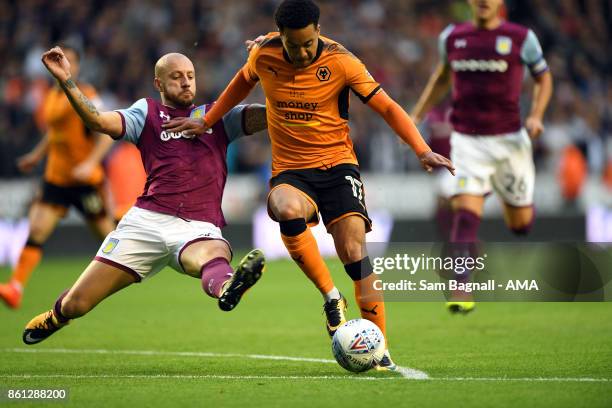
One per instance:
[(181, 110), (319, 52)]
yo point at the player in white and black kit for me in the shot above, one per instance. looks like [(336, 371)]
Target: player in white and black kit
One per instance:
[(484, 61)]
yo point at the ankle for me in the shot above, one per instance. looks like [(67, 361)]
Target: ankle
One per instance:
[(332, 294), (15, 284)]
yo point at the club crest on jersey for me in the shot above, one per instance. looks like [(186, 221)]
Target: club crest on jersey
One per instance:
[(503, 45), (164, 116), (110, 246), (323, 73), (197, 112)]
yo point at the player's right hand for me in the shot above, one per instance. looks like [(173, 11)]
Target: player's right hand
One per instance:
[(56, 62), (430, 160), (534, 127), (191, 127), (250, 44), (27, 162)]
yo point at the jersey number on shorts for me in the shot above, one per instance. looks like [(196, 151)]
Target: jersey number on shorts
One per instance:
[(357, 187), (514, 186)]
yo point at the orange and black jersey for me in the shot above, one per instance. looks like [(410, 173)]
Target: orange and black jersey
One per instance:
[(70, 142), (307, 108)]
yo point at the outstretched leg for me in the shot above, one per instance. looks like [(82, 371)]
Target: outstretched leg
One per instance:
[(96, 283)]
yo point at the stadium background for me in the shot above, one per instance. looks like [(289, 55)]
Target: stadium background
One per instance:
[(163, 343), (121, 40)]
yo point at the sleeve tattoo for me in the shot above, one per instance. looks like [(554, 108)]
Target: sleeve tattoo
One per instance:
[(80, 103)]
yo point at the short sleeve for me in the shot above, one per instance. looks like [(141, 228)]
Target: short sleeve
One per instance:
[(358, 78), (134, 120), (233, 122), (442, 42), (249, 69), (532, 55)]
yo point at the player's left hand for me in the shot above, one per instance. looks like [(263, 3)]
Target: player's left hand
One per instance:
[(534, 127), (430, 160), (83, 170), (191, 127)]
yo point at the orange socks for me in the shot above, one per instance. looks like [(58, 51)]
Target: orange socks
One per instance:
[(303, 248), (28, 260), (370, 301)]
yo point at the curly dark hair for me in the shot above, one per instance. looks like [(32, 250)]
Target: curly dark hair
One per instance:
[(296, 14)]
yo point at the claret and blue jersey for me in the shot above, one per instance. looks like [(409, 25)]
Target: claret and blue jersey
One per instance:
[(487, 69), (185, 176)]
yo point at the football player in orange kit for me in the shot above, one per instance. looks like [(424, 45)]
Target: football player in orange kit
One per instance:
[(73, 177), (307, 80)]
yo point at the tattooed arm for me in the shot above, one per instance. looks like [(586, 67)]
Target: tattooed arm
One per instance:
[(255, 119), (103, 122)]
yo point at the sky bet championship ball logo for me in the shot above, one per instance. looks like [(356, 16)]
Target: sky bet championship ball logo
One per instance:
[(359, 345)]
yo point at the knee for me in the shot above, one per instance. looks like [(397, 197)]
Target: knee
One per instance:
[(74, 306), (192, 266), (37, 235), (523, 225), (288, 210), (350, 251), (522, 229)]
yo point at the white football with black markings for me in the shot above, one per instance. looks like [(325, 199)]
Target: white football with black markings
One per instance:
[(358, 345)]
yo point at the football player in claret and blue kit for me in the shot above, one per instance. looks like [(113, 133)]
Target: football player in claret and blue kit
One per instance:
[(483, 61), (176, 221)]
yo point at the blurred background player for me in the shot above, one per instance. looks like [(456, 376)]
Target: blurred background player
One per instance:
[(176, 221), (484, 62), (437, 128), (73, 178), (124, 158), (306, 80)]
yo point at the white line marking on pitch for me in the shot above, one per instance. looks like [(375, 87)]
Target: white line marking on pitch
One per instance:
[(295, 377), (202, 377), (407, 373), (170, 353)]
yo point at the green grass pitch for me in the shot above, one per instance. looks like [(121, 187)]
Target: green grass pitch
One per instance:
[(165, 343)]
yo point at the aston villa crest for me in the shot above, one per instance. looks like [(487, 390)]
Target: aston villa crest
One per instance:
[(503, 45)]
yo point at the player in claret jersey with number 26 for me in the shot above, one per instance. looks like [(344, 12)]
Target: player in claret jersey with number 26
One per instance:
[(484, 61)]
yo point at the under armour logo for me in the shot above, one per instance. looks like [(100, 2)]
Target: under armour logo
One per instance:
[(371, 311), (460, 43), (164, 116)]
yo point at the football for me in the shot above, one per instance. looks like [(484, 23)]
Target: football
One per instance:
[(357, 345)]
